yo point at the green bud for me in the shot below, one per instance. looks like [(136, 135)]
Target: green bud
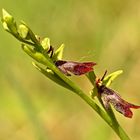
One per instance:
[(8, 22)]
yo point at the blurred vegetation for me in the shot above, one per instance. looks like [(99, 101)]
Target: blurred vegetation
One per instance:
[(106, 32)]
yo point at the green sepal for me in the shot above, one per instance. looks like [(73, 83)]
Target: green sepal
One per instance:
[(45, 43), (109, 78), (58, 53)]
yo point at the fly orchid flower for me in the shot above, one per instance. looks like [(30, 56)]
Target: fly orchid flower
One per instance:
[(65, 67), (110, 96), (76, 68)]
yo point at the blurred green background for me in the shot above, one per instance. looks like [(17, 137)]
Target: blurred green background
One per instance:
[(33, 107)]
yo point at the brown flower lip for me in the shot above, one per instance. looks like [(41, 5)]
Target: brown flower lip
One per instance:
[(77, 68), (110, 96)]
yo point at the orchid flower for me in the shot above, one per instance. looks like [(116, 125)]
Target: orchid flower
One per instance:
[(110, 96), (76, 68)]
